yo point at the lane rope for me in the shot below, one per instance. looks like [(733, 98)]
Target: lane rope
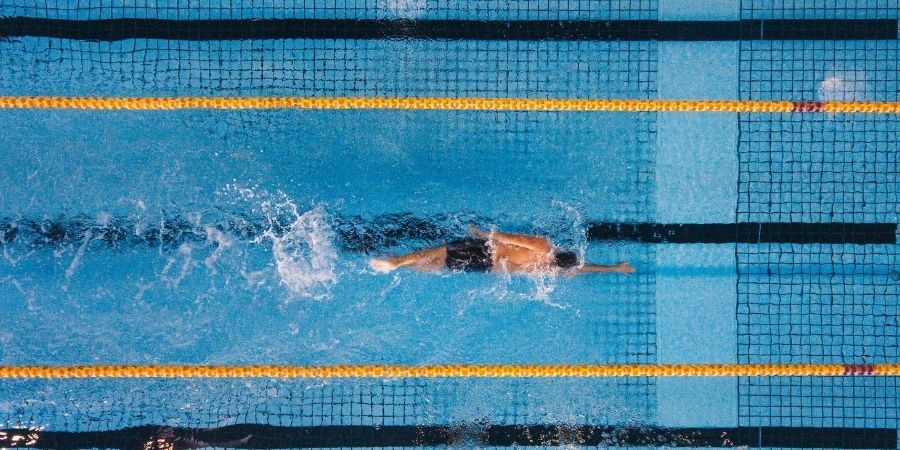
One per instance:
[(443, 103), (450, 371)]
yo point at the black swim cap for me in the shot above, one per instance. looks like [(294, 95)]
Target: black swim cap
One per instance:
[(565, 260)]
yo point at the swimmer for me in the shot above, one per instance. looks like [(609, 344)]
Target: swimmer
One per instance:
[(496, 252)]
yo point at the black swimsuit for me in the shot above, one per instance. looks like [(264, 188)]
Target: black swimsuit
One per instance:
[(470, 255)]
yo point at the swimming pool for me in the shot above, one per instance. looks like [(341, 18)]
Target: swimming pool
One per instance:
[(241, 237)]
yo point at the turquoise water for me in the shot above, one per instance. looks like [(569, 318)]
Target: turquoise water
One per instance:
[(290, 288), (242, 237)]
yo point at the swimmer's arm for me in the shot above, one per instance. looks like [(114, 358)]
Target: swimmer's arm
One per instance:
[(623, 267), (535, 243)]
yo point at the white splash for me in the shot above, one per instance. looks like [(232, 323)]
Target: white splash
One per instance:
[(534, 286), (185, 252), (142, 289), (542, 285), (9, 252), (104, 218), (76, 260), (575, 222), (304, 251), (406, 9), (221, 242), (394, 283), (29, 295)]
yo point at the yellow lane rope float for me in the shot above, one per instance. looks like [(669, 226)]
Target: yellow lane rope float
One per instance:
[(451, 371), (437, 103)]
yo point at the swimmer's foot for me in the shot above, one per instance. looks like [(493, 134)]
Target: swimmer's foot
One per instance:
[(625, 268), (382, 266)]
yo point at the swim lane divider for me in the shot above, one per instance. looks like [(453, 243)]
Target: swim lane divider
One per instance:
[(450, 371), (447, 103)]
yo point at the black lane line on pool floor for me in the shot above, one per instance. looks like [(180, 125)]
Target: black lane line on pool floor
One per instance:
[(250, 436), (747, 233), (504, 30), (355, 234)]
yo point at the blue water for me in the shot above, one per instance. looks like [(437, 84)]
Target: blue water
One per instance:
[(307, 176), (234, 225)]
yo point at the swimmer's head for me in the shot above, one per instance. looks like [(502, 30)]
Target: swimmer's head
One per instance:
[(565, 260)]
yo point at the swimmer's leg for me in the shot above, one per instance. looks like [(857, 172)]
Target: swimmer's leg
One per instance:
[(427, 260), (622, 267)]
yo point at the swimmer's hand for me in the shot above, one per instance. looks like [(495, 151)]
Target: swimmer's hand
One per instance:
[(382, 266), (624, 268)]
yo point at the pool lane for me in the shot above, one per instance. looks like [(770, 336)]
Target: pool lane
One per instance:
[(194, 168), (329, 67)]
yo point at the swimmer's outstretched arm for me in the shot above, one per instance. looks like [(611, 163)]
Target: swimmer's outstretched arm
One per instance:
[(622, 267), (536, 243)]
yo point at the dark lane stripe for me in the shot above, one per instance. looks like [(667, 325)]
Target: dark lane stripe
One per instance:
[(514, 30), (272, 437), (356, 234), (747, 233)]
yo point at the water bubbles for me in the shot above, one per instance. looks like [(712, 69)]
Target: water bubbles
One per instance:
[(404, 9), (185, 252), (220, 242)]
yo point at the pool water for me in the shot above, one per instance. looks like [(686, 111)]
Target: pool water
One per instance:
[(245, 240), (243, 237)]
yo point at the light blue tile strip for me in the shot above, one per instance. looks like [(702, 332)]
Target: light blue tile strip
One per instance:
[(696, 176), (696, 168), (696, 164), (695, 304), (695, 311), (699, 10)]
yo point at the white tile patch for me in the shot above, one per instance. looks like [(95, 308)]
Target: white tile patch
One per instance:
[(699, 9), (696, 176), (697, 402), (695, 304), (696, 164), (698, 70), (696, 168), (696, 324)]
